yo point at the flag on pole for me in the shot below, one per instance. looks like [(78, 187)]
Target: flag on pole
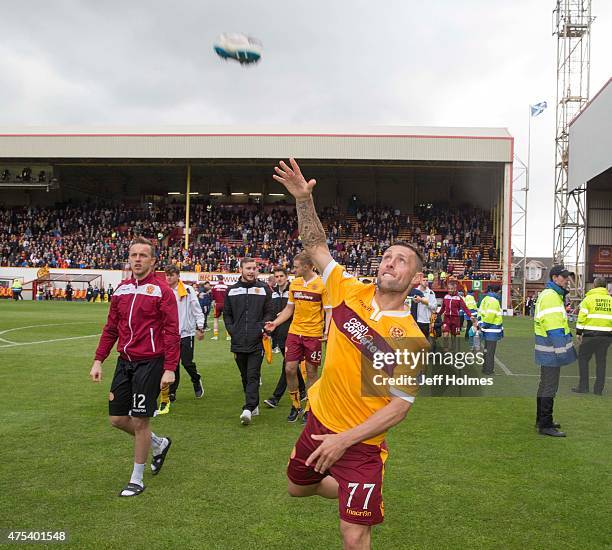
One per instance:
[(538, 108)]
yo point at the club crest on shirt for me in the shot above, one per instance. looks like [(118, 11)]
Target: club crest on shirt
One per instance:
[(150, 289), (396, 332)]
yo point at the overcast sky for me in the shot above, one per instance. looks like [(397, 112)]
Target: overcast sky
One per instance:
[(332, 62)]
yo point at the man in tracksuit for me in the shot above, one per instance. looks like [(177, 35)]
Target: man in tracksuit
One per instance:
[(247, 307), (280, 296), (451, 306), (205, 299), (143, 320), (191, 325)]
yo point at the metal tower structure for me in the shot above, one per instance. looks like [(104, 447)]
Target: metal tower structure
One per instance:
[(572, 27), (519, 231)]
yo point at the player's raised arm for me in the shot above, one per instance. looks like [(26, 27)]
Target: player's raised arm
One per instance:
[(309, 225)]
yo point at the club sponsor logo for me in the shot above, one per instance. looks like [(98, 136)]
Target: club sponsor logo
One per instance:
[(309, 297), (359, 513), (356, 329)]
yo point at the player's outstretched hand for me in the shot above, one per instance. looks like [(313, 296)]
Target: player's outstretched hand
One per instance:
[(270, 326), (96, 371), (332, 448), (167, 379), (291, 177)]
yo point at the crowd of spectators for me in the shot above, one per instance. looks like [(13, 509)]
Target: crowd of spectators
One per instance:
[(452, 239), (375, 223), (98, 236), (70, 236)]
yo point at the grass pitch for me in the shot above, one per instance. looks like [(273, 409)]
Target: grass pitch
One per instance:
[(462, 473)]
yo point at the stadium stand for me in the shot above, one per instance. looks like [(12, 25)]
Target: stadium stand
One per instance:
[(458, 241)]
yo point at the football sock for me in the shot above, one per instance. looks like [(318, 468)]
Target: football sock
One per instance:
[(157, 443), (137, 474), (165, 395), (295, 399)]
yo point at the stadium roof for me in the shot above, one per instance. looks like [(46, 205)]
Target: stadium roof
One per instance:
[(590, 139), (218, 142)]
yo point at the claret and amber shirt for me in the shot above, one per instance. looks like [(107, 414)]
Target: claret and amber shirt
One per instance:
[(358, 330), (310, 300)]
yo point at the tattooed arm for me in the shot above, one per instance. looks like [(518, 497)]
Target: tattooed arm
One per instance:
[(309, 225)]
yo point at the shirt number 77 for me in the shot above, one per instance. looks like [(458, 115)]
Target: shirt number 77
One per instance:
[(367, 487)]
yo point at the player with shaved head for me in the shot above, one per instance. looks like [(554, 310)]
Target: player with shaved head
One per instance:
[(342, 450)]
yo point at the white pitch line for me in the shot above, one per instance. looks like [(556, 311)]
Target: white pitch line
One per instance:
[(503, 367), (47, 325), (47, 341), (7, 341)]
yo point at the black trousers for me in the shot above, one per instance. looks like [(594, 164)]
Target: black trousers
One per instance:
[(249, 365), (187, 344), (549, 384), (598, 346), (424, 329), (205, 311), (489, 358), (281, 385)]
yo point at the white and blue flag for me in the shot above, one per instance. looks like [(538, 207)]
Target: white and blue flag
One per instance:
[(538, 108)]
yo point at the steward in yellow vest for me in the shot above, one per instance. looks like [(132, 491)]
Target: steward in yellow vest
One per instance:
[(594, 333)]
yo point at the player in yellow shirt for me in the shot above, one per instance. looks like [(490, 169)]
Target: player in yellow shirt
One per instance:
[(342, 450), (307, 303)]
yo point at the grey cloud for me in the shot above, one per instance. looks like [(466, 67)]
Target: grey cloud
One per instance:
[(325, 62)]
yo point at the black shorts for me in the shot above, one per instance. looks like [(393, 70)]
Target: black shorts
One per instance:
[(135, 387)]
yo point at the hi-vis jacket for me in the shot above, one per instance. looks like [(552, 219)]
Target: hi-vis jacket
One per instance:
[(490, 318), (470, 302), (553, 339), (595, 317)]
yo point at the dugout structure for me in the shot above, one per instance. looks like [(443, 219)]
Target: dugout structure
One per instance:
[(401, 167), (47, 278)]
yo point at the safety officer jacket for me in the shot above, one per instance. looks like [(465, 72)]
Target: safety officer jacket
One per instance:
[(553, 339), (490, 317), (470, 302), (595, 316)]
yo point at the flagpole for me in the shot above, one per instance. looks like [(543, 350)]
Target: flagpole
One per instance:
[(525, 215)]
